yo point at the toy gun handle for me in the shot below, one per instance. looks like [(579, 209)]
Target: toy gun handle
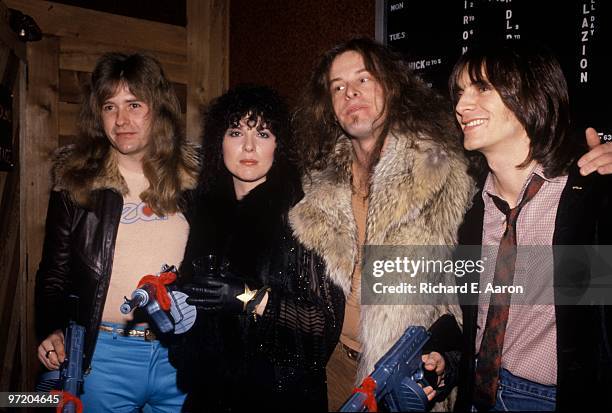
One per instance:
[(71, 370)]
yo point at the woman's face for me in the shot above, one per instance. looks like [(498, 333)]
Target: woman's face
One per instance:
[(248, 153)]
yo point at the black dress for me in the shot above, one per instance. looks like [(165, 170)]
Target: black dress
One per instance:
[(277, 361)]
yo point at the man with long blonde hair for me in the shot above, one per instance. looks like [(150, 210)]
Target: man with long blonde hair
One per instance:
[(115, 215), (383, 167)]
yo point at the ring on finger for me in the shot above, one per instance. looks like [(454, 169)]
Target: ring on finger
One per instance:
[(49, 352)]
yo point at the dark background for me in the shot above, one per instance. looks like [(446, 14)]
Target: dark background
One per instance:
[(434, 32), (272, 42)]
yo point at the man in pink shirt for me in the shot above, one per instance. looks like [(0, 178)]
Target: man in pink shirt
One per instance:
[(513, 108)]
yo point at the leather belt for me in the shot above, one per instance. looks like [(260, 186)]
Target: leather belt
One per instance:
[(147, 333), (350, 353)]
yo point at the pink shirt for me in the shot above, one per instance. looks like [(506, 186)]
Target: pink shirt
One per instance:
[(530, 343)]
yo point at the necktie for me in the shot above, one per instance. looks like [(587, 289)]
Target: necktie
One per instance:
[(489, 356)]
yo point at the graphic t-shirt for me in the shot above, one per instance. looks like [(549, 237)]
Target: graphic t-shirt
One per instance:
[(144, 243)]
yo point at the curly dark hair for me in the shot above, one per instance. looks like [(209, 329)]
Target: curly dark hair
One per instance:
[(258, 103), (531, 84), (410, 105)]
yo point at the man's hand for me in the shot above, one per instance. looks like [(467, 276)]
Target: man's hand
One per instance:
[(434, 362), (51, 351), (599, 157)]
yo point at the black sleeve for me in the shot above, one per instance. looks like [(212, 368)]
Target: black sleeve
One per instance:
[(604, 213), (446, 339), (301, 325), (53, 277)]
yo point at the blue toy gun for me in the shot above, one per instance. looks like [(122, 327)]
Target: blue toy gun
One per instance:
[(181, 315), (69, 377), (71, 370), (396, 377)]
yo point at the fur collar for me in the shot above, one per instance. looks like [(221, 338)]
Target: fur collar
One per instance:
[(67, 163), (408, 180)]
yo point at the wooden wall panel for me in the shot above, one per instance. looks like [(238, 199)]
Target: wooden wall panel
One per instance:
[(81, 55), (11, 257), (68, 115), (207, 52), (99, 27), (39, 139), (71, 85), (12, 75)]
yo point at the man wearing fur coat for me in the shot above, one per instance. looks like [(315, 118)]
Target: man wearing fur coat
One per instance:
[(382, 167), (115, 215)]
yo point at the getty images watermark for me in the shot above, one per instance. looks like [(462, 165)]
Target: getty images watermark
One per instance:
[(562, 275)]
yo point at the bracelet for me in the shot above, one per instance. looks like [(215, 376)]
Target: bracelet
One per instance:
[(256, 300)]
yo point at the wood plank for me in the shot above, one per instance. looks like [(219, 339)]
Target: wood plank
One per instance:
[(181, 94), (11, 257), (9, 272), (72, 85), (9, 214), (207, 57), (38, 140), (69, 21), (28, 342), (68, 118), (81, 55)]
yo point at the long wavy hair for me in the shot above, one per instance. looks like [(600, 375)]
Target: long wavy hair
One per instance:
[(258, 104), (167, 166), (410, 106), (531, 84)]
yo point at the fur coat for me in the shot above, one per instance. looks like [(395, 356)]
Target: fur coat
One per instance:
[(419, 194)]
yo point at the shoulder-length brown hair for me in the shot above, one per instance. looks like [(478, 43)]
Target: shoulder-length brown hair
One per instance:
[(410, 106), (531, 84), (166, 164)]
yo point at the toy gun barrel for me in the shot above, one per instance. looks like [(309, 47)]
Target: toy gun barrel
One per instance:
[(140, 298), (145, 297)]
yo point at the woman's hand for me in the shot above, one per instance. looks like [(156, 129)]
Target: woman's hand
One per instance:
[(216, 294), (51, 351)]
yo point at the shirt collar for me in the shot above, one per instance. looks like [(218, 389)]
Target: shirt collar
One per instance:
[(488, 189)]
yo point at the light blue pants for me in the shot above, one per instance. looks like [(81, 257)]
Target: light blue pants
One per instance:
[(129, 374)]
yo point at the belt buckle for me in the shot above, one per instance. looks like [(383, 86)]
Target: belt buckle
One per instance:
[(149, 335), (350, 353)]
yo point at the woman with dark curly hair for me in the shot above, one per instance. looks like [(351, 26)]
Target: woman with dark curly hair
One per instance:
[(268, 318)]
